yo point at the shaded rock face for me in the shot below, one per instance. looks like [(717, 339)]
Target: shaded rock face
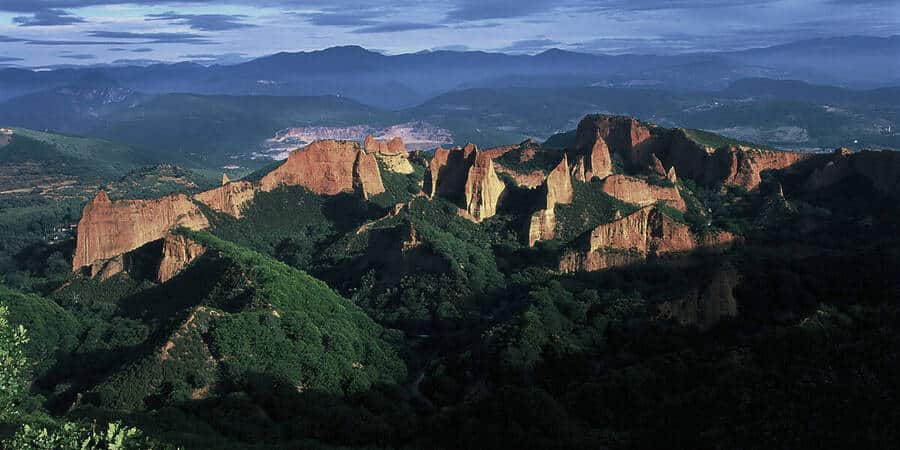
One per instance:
[(882, 169), (730, 165), (230, 198), (704, 308), (466, 176), (447, 172), (392, 153), (631, 239), (108, 229), (558, 189), (366, 175), (542, 226), (177, 252), (327, 167), (641, 193), (559, 185), (483, 188), (602, 136)]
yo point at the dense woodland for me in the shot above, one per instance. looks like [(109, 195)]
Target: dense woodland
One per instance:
[(294, 331)]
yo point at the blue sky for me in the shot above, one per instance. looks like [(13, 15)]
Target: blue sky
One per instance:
[(53, 32)]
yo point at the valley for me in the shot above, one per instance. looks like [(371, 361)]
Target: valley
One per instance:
[(398, 285), (522, 243)]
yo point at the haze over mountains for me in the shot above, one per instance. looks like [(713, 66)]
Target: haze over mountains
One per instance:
[(392, 81), (799, 96)]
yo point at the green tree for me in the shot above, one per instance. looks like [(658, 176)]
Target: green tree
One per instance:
[(13, 365)]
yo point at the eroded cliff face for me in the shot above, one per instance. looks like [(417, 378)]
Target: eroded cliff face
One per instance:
[(705, 307), (730, 165), (366, 175), (604, 135), (447, 172), (230, 198), (557, 188), (631, 239), (108, 229), (392, 153), (642, 193), (483, 188), (882, 169), (466, 176), (327, 167), (177, 252)]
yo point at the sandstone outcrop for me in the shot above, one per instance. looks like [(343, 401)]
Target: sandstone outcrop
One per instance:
[(327, 167), (704, 308), (483, 188), (604, 135), (447, 172), (557, 189), (881, 169), (633, 238), (108, 229), (558, 185), (467, 176), (177, 252), (230, 198), (731, 165), (392, 154), (542, 226), (642, 193)]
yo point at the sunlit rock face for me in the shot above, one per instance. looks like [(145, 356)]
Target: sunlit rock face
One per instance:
[(328, 167), (108, 229)]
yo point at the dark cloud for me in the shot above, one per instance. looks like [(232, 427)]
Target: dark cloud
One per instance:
[(469, 10), (47, 18), (203, 22), (142, 50), (530, 46), (214, 58), (10, 39), (154, 38), (136, 62), (6, 59), (395, 27), (337, 18), (78, 56)]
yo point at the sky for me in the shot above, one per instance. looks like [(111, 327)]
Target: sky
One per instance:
[(47, 33)]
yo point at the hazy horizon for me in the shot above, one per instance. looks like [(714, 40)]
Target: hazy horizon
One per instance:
[(86, 32)]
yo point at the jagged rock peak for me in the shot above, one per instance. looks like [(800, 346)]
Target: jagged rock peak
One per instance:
[(225, 179), (108, 229), (393, 146), (327, 167)]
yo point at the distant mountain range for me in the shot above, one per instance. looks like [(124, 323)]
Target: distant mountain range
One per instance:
[(395, 81)]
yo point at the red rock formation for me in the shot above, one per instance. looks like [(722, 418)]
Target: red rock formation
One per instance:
[(542, 226), (559, 185), (447, 172), (483, 188), (529, 180), (882, 169), (177, 252), (730, 165), (230, 198), (632, 238), (327, 167), (656, 166), (366, 175), (625, 136), (558, 190), (394, 146), (705, 309), (392, 153), (108, 229), (641, 193)]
